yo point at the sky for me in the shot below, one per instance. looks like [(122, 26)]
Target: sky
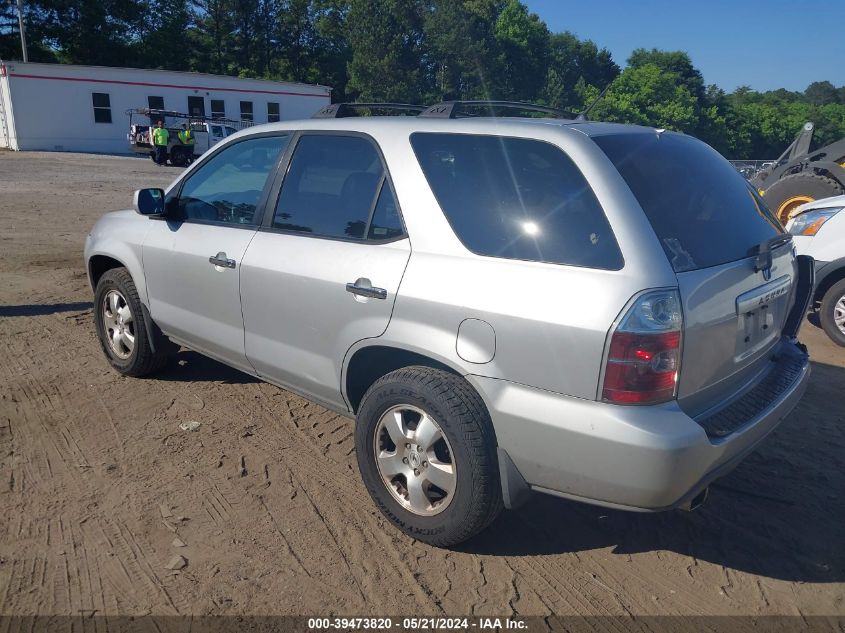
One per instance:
[(765, 44)]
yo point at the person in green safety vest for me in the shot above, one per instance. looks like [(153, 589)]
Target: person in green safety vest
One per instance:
[(160, 139), (186, 136)]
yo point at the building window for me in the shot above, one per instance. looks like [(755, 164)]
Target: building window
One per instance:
[(218, 108), (246, 111), (155, 103), (102, 107), (273, 112), (196, 106)]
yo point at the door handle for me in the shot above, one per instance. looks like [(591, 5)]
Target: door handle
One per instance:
[(221, 260), (363, 288)]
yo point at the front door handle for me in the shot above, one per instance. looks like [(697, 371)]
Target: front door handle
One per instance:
[(363, 288), (221, 260)]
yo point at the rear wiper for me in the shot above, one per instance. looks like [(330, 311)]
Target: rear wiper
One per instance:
[(764, 249)]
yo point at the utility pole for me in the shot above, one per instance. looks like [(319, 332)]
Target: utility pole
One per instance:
[(23, 32)]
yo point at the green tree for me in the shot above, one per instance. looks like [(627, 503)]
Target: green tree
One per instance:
[(573, 65), (523, 47), (677, 62), (461, 47), (211, 37), (99, 32), (648, 95), (821, 93), (163, 41), (385, 37)]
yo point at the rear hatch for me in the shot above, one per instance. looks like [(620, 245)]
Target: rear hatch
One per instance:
[(734, 262)]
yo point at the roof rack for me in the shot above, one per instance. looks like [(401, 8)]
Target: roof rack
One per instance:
[(456, 109), (341, 110), (157, 112)]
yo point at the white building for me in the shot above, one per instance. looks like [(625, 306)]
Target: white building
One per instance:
[(59, 107)]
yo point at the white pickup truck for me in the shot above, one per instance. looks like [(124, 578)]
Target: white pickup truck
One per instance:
[(206, 132)]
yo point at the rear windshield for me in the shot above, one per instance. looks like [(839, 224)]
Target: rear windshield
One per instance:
[(703, 211), (517, 199)]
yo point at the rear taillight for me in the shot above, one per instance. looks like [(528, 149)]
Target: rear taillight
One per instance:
[(644, 356)]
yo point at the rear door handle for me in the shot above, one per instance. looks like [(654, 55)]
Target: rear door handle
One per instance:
[(363, 288), (221, 260)]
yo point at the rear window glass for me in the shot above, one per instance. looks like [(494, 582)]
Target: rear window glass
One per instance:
[(517, 199), (701, 209)]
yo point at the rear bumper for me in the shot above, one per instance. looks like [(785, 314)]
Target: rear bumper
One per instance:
[(646, 458)]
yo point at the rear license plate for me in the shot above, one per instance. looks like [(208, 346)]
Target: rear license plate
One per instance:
[(760, 315)]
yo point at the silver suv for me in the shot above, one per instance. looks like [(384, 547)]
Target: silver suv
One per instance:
[(600, 312)]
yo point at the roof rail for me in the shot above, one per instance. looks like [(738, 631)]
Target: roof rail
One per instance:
[(455, 109), (341, 110)]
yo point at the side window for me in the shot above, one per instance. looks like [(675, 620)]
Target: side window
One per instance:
[(218, 109), (155, 103), (386, 223), (517, 199), (331, 188), (196, 106), (246, 110), (102, 107), (228, 186)]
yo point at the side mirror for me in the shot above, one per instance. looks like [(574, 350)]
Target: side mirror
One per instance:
[(149, 201)]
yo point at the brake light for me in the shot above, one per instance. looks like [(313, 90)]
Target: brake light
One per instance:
[(644, 355)]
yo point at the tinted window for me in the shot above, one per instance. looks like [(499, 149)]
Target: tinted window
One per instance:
[(228, 186), (386, 223), (518, 199), (196, 106), (246, 110), (330, 187), (102, 107), (218, 108), (155, 103), (701, 209), (273, 112)]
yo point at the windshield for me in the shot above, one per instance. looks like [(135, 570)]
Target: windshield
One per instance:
[(701, 209)]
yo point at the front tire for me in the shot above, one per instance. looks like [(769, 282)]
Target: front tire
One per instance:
[(427, 454), (122, 327), (832, 313)]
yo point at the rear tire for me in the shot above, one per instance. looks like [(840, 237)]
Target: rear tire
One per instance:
[(123, 326), (790, 192), (832, 313), (446, 488)]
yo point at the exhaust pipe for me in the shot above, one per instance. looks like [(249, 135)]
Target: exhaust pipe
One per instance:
[(697, 501)]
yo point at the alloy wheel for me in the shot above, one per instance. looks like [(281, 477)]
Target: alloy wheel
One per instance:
[(119, 324), (415, 460), (839, 314)]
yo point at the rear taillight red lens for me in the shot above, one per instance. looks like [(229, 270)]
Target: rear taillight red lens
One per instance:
[(643, 360)]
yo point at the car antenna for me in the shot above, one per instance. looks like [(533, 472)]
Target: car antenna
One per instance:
[(583, 115)]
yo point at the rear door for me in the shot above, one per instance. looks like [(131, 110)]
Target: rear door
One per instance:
[(323, 271), (714, 229)]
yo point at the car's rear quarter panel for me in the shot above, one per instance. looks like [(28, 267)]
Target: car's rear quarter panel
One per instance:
[(550, 320)]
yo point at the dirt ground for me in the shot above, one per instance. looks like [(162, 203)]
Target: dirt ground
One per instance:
[(97, 479)]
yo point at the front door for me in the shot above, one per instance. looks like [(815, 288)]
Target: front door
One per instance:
[(324, 271), (192, 259)]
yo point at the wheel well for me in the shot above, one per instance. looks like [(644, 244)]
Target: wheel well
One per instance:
[(371, 363), (826, 284), (98, 265)]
